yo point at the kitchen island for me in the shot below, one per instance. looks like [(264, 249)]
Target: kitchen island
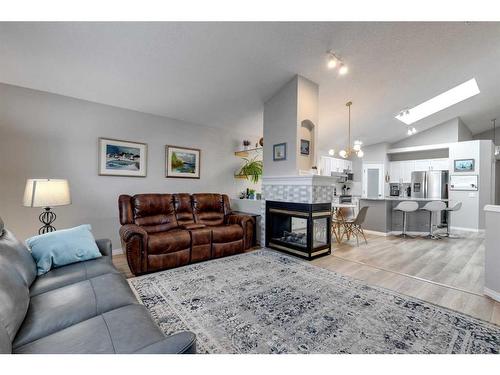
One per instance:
[(382, 218)]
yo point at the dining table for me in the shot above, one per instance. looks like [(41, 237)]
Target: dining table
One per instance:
[(341, 214)]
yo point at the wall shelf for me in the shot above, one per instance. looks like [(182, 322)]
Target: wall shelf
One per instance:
[(245, 153)]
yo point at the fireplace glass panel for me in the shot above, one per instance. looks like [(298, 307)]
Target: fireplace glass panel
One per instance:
[(290, 229), (320, 232)]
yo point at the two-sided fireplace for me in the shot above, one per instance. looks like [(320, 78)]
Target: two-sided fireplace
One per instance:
[(302, 229)]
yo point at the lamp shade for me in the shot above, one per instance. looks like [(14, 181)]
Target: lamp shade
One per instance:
[(45, 192)]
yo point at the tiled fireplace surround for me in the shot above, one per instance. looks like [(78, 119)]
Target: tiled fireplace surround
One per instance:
[(296, 189)]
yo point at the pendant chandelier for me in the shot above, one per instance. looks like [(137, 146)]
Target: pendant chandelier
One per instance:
[(356, 147)]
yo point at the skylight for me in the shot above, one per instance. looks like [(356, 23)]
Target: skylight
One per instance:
[(440, 102)]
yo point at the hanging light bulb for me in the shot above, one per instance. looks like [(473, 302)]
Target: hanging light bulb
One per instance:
[(413, 131), (343, 153), (409, 131), (331, 152), (360, 153), (357, 145), (343, 69)]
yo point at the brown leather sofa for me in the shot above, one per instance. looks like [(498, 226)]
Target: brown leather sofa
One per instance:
[(161, 231)]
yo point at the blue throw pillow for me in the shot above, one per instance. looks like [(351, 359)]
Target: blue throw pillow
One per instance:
[(56, 249)]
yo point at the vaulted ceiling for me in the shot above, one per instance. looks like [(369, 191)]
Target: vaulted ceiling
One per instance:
[(220, 74)]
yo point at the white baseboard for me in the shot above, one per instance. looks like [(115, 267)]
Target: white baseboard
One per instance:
[(117, 251), (409, 233), (475, 230), (376, 233), (492, 294)]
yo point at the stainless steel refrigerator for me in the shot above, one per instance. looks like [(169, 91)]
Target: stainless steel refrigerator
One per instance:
[(429, 184)]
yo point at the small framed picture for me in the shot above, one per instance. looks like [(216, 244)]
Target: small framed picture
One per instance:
[(182, 162), (122, 158), (279, 152), (304, 146), (464, 165)]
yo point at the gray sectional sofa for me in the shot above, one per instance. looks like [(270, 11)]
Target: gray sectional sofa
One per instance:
[(84, 307)]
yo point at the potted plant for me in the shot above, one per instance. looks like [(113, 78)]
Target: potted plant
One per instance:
[(251, 170)]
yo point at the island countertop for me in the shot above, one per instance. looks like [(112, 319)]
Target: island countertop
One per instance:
[(382, 216)]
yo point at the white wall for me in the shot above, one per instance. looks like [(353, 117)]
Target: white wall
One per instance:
[(446, 132), (471, 215), (280, 126), (46, 135), (307, 111)]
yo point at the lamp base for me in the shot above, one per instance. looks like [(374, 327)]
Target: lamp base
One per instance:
[(47, 217)]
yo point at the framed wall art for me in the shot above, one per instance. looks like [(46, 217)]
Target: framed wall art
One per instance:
[(304, 147), (122, 158), (279, 152), (182, 162), (464, 165)]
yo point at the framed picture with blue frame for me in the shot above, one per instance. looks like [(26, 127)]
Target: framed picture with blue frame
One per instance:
[(279, 152)]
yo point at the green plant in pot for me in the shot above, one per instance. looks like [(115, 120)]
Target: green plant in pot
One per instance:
[(252, 169)]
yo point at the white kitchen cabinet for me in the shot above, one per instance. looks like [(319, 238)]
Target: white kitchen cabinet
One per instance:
[(395, 172), (422, 165), (400, 171), (407, 167), (439, 164), (329, 164)]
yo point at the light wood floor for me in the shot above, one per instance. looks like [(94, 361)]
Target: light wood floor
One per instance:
[(448, 272)]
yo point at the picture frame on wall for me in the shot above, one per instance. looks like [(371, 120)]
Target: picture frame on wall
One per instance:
[(305, 147), (122, 158), (182, 162), (279, 151), (464, 165)]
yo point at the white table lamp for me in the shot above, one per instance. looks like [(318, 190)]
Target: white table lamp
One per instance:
[(47, 193)]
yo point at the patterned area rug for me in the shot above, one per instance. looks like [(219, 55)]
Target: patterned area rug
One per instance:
[(268, 302)]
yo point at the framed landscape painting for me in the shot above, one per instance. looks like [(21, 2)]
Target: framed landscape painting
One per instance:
[(122, 158), (182, 162)]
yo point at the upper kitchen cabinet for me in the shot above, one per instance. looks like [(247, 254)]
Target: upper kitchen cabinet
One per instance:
[(329, 165), (432, 164), (400, 171)]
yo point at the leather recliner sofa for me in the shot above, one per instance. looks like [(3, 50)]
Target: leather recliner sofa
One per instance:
[(162, 231), (84, 307)]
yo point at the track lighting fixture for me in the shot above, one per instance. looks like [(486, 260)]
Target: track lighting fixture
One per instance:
[(334, 61), (411, 131)]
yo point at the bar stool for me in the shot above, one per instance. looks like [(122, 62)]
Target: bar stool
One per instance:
[(405, 207), (457, 206), (433, 206)]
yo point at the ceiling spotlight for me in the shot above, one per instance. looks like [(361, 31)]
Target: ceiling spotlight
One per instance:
[(332, 62), (335, 62), (343, 69), (331, 152)]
